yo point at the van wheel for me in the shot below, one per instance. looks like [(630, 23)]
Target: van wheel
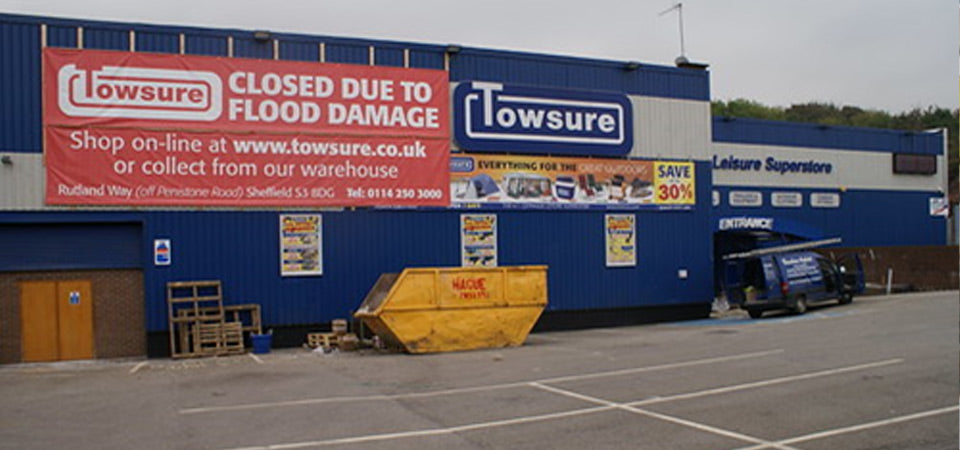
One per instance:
[(755, 313), (800, 305), (845, 298)]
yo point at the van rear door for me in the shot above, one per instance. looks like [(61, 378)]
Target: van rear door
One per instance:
[(851, 271)]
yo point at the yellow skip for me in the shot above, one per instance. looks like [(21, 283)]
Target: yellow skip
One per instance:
[(429, 310)]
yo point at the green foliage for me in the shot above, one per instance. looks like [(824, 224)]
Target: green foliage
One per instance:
[(917, 119)]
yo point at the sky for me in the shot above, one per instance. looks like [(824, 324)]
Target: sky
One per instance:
[(891, 55)]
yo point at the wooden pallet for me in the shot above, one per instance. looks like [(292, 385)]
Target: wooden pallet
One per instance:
[(325, 340), (200, 324)]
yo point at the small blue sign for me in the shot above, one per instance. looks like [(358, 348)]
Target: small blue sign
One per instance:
[(74, 297), (497, 117)]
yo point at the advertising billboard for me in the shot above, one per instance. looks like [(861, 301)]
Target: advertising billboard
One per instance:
[(547, 182), (125, 128)]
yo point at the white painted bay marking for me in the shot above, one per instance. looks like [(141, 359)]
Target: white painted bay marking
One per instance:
[(380, 397), (429, 432), (256, 358), (768, 382), (137, 368), (664, 417), (864, 426), (604, 406)]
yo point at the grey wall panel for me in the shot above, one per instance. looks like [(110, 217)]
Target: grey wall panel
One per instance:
[(849, 169), (671, 128)]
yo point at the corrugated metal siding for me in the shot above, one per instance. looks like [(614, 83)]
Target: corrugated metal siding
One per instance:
[(69, 246), (755, 131), (864, 217), (205, 45), (22, 183), (159, 42), (251, 48), (573, 73), (241, 249), (671, 128), (347, 53), (388, 56), (424, 59), (20, 117), (299, 51), (106, 38), (61, 36)]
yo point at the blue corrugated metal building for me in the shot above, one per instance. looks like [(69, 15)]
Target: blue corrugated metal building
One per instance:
[(114, 246)]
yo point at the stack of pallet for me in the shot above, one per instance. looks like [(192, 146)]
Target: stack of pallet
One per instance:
[(339, 338), (198, 322)]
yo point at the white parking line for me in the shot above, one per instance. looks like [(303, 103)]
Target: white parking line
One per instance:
[(861, 427), (767, 382), (256, 358), (429, 432), (381, 397), (664, 417), (136, 368), (604, 406)]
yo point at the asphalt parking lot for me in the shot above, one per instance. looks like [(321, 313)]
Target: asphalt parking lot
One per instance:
[(879, 373)]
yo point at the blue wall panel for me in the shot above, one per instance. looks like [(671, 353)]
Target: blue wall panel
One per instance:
[(299, 51), (769, 132), (252, 48), (575, 73), (347, 53), (864, 218), (388, 56), (206, 45), (159, 42), (241, 249), (106, 38), (61, 36), (56, 246), (20, 116), (423, 59)]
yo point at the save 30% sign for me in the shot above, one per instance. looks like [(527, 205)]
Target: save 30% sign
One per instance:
[(673, 183)]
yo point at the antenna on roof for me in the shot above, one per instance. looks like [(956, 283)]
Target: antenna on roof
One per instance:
[(679, 8)]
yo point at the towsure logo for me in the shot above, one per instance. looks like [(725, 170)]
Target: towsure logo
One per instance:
[(499, 117), (139, 93)]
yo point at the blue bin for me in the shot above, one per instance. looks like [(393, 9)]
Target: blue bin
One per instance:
[(261, 343)]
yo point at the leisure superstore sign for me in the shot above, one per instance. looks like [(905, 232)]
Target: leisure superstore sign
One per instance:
[(130, 128)]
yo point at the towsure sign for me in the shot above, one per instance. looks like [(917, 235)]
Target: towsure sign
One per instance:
[(501, 117)]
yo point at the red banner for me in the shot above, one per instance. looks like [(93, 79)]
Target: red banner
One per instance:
[(105, 166), (131, 128)]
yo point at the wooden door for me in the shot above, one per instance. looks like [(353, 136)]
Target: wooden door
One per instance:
[(38, 321), (75, 313), (56, 320)]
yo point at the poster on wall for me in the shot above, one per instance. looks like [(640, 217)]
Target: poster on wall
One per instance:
[(939, 207), (134, 128), (301, 245), (478, 240), (547, 182), (621, 232)]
